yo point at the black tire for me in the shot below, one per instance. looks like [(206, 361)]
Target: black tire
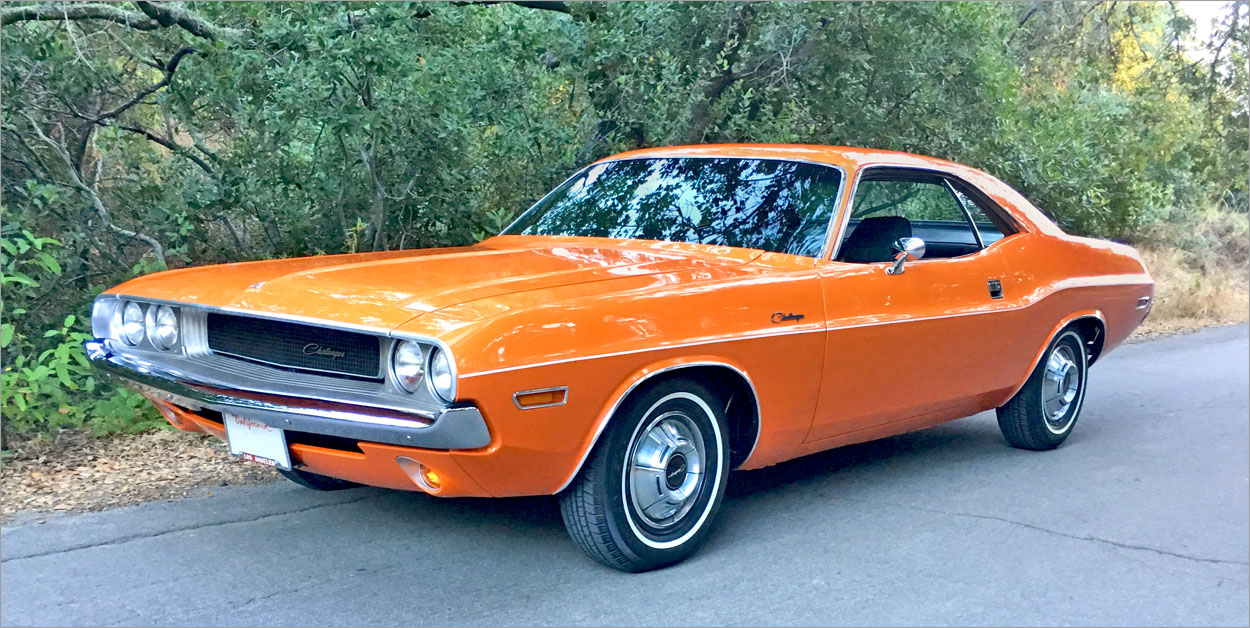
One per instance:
[(316, 481), (1025, 420), (676, 426)]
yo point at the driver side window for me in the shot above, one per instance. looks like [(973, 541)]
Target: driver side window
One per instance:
[(913, 200), (889, 206)]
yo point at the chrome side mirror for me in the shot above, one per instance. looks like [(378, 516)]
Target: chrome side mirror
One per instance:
[(905, 248)]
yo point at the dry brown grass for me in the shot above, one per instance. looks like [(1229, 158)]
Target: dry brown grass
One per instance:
[(1201, 271), (78, 473)]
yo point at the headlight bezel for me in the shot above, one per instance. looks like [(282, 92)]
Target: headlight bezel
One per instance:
[(396, 377), (132, 331), (108, 321), (432, 374), (153, 322)]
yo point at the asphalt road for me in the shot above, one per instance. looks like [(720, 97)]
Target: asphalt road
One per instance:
[(1141, 518)]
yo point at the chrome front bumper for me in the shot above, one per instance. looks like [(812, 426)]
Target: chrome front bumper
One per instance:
[(454, 427)]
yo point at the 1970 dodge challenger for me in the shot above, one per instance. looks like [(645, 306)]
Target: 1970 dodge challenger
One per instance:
[(660, 318)]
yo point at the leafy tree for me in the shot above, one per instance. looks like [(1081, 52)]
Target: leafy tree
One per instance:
[(143, 135)]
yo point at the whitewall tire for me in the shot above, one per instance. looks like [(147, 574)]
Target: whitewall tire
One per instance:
[(649, 492)]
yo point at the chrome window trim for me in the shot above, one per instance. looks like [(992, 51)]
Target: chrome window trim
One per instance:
[(976, 231), (603, 424), (837, 201)]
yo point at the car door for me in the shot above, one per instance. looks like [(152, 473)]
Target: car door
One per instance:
[(919, 343)]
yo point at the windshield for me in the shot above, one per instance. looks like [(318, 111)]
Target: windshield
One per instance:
[(778, 206)]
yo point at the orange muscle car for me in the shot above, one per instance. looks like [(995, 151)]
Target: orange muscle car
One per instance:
[(660, 318)]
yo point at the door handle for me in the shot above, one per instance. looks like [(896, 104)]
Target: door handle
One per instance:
[(996, 288)]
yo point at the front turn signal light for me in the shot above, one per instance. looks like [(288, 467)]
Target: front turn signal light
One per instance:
[(424, 477)]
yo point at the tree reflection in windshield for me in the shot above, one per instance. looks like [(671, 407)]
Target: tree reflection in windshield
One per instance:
[(778, 206)]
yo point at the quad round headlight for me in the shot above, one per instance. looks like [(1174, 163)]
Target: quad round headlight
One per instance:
[(132, 324), (408, 365), (162, 325), (442, 377)]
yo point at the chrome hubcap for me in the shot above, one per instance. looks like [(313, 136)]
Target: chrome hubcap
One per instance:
[(1060, 386), (666, 469)]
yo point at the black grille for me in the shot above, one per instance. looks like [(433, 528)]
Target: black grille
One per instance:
[(296, 346)]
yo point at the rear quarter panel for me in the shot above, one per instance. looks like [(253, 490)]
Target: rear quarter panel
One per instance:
[(1059, 279), (1053, 278)]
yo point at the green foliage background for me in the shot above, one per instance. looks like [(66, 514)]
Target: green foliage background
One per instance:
[(140, 136)]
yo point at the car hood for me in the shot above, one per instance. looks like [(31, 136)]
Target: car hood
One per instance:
[(385, 290)]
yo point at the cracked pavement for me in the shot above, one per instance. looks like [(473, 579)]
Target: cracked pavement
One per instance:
[(1141, 518)]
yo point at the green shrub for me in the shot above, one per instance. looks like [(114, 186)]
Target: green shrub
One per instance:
[(306, 128), (46, 383)]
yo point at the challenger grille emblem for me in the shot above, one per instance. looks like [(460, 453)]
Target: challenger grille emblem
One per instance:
[(313, 348)]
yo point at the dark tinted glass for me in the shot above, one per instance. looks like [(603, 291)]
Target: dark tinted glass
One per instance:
[(990, 232), (913, 200), (778, 206)]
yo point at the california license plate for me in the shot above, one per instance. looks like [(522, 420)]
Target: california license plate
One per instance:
[(252, 440)]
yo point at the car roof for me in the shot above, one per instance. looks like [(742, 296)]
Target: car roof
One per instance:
[(848, 157)]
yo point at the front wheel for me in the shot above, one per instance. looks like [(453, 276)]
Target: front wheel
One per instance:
[(1043, 412), (648, 494)]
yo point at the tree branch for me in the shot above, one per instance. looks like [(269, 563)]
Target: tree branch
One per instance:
[(172, 146), (558, 7), (1019, 27), (98, 204), (543, 5), (168, 14), (151, 16), (169, 70), (56, 11)]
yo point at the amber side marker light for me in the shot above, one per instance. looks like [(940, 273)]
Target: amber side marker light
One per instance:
[(541, 398), (421, 475)]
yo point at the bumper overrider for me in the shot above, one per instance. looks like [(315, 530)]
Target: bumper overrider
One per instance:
[(452, 427)]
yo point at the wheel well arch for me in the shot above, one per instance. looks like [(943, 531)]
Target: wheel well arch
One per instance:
[(737, 392), (1089, 324), (1093, 330), (730, 383)]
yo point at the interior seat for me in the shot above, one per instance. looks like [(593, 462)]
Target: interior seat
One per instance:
[(873, 239)]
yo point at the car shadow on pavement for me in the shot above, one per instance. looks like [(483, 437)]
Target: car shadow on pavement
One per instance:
[(915, 452), (963, 439)]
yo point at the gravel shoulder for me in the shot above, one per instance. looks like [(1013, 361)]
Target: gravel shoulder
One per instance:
[(78, 473)]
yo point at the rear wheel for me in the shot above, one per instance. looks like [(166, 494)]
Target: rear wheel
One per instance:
[(1041, 415), (316, 481), (648, 494)]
